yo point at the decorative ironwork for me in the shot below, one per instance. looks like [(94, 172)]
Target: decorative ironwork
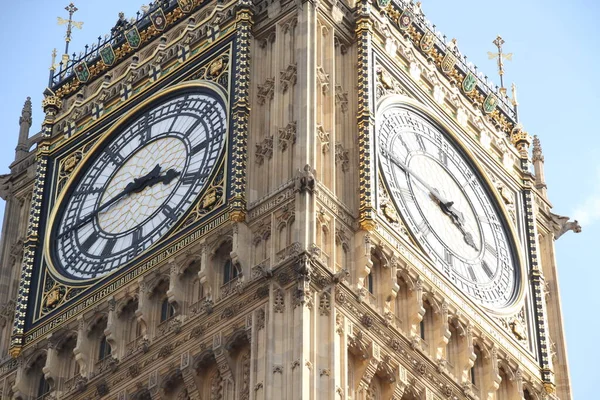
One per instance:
[(117, 38), (418, 27)]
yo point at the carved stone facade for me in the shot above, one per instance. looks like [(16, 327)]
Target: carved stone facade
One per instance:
[(313, 287)]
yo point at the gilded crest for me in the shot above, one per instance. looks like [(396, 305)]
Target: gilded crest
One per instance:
[(107, 54), (390, 212), (469, 83), (216, 67), (490, 103), (426, 42), (405, 20), (448, 62), (82, 72)]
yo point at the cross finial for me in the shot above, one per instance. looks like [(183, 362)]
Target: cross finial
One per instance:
[(71, 9), (499, 42)]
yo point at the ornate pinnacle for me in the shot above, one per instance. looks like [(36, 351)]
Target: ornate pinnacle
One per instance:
[(521, 140), (537, 150), (26, 112)]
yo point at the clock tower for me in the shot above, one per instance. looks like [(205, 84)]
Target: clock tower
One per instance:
[(278, 200)]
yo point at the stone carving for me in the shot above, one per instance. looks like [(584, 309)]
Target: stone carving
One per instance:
[(279, 302), (562, 225), (264, 150), (323, 138), (325, 304), (341, 98), (341, 157), (265, 91), (305, 180), (287, 136), (287, 78), (323, 79)]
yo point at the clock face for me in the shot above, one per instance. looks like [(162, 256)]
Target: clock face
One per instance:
[(446, 206), (133, 190)]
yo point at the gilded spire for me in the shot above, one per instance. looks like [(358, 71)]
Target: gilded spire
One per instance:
[(71, 9), (499, 42)]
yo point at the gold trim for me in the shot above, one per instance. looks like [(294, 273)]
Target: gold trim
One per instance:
[(394, 100), (92, 152)]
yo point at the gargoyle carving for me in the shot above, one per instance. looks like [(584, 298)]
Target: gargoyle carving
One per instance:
[(561, 225)]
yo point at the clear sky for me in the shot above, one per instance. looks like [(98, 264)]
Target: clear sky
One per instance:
[(555, 67)]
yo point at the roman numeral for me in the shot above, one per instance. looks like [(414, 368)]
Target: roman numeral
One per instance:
[(421, 142), (192, 128), (471, 273), (192, 177), (114, 156), (169, 212), (200, 146), (487, 269), (136, 239), (443, 157), (407, 195), (448, 257), (491, 250), (89, 242), (108, 248)]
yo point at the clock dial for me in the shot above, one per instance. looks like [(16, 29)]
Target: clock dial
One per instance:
[(446, 206), (139, 185)]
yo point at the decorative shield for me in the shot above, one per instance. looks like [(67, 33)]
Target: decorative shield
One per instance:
[(186, 5), (427, 42), (490, 103), (383, 3), (448, 62), (469, 83), (107, 54), (405, 19), (133, 37), (82, 72), (158, 19)]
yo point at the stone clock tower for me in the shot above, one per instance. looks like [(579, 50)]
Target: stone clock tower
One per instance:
[(278, 200)]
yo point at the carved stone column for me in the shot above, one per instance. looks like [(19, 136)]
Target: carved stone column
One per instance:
[(223, 364), (52, 367), (466, 356), (113, 330), (203, 274), (82, 347), (364, 264), (443, 336), (144, 310), (416, 311), (176, 292)]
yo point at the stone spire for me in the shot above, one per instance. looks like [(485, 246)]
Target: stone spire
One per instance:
[(25, 123), (538, 165)]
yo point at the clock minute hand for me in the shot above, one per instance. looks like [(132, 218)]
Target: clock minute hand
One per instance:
[(91, 215), (435, 193), (446, 205)]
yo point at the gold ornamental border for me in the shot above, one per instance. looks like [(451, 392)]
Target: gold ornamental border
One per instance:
[(396, 100), (108, 135)]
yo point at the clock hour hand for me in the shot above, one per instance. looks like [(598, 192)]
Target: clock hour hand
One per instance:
[(150, 179)]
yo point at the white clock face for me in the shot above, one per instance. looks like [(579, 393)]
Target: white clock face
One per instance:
[(447, 207), (139, 185)]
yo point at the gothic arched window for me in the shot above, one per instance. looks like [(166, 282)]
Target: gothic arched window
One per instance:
[(43, 386), (166, 310), (104, 350), (230, 272)]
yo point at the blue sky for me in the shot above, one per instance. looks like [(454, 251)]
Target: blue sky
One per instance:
[(555, 64)]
